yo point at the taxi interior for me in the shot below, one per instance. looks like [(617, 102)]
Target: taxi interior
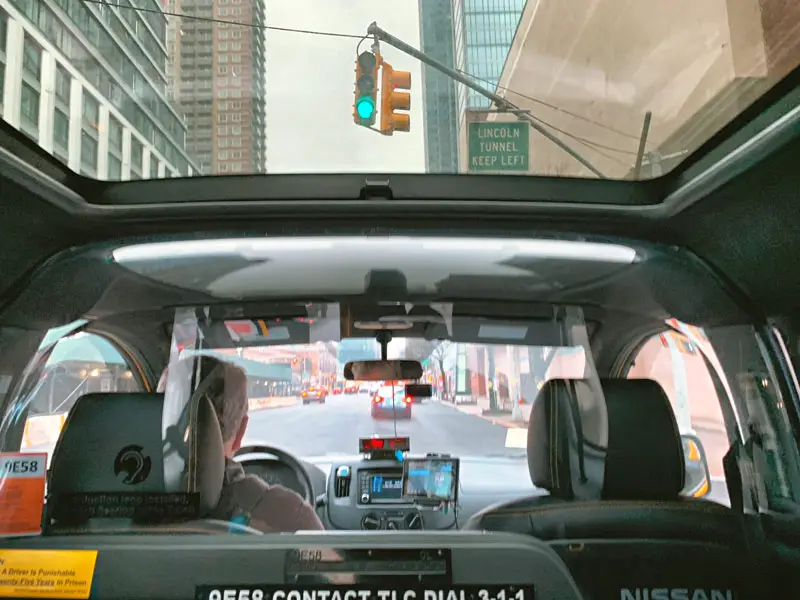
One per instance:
[(717, 250), (604, 452)]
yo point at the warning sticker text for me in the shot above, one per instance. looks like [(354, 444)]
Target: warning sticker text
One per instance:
[(46, 573)]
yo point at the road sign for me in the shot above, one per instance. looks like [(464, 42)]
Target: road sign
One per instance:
[(498, 147)]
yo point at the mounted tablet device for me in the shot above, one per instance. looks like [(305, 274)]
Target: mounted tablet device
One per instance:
[(431, 480)]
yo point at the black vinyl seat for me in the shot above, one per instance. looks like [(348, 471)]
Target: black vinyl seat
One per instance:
[(112, 444), (613, 491), (560, 462), (615, 514)]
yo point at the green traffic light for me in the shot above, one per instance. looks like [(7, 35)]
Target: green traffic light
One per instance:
[(365, 107)]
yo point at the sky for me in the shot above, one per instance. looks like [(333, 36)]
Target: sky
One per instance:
[(310, 82)]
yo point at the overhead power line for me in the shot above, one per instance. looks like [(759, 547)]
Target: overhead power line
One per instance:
[(553, 106), (227, 22)]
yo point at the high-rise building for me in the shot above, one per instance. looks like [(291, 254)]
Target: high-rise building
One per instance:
[(484, 30), (217, 73), (438, 89), (87, 82), (471, 36)]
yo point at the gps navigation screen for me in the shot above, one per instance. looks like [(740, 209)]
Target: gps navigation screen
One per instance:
[(386, 487), (431, 478)]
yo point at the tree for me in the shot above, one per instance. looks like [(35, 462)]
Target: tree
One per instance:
[(438, 354)]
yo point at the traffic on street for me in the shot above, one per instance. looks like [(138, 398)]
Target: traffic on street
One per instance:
[(335, 427)]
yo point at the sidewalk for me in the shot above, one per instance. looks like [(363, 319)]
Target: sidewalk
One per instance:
[(477, 411), (273, 402)]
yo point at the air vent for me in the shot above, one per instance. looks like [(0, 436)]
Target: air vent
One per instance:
[(341, 482)]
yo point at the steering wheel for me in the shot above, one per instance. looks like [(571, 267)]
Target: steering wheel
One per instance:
[(270, 454)]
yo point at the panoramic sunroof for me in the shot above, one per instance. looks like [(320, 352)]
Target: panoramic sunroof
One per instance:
[(150, 89)]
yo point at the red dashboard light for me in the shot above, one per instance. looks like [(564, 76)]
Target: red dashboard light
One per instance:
[(372, 444), (401, 443), (366, 445)]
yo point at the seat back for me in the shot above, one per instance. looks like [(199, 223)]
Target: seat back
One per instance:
[(561, 460), (107, 469), (637, 538)]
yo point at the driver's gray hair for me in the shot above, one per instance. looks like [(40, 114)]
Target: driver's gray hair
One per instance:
[(227, 391)]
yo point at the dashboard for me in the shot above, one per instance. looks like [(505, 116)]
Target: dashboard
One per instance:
[(369, 496), (366, 492)]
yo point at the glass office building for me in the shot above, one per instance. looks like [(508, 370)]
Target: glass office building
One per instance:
[(87, 82), (474, 37), (483, 32), (438, 89)]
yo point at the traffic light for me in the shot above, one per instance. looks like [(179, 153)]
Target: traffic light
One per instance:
[(366, 92), (393, 100)]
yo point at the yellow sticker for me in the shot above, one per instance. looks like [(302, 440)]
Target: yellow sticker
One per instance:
[(46, 573)]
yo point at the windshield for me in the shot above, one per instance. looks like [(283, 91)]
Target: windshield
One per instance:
[(300, 402), (451, 421), (149, 89)]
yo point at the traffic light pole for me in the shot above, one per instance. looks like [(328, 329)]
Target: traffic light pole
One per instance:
[(503, 104)]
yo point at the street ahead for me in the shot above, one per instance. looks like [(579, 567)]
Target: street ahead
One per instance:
[(334, 428)]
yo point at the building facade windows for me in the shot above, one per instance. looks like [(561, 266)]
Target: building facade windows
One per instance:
[(88, 153), (61, 129), (29, 106), (32, 58), (92, 46)]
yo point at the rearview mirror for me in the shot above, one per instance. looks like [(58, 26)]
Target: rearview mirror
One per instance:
[(698, 476), (382, 370), (419, 390)]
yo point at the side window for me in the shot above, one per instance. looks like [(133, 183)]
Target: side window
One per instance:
[(676, 364), (80, 364)]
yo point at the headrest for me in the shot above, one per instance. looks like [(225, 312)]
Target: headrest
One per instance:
[(113, 443), (644, 458), (560, 459), (110, 443)]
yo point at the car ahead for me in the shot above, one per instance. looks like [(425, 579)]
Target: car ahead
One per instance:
[(314, 394), (390, 403)]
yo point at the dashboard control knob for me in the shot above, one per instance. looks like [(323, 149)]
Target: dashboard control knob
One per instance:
[(371, 521), (392, 525), (365, 498), (414, 521)]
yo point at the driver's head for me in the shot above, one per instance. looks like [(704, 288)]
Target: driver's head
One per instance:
[(225, 385)]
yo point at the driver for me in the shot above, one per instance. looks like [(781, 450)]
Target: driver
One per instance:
[(247, 499)]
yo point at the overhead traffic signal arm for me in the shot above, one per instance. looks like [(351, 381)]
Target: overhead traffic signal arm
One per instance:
[(366, 89), (393, 100)]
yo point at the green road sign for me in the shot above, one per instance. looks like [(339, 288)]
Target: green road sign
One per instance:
[(497, 147)]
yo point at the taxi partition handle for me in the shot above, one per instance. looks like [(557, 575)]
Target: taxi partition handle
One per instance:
[(174, 438)]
